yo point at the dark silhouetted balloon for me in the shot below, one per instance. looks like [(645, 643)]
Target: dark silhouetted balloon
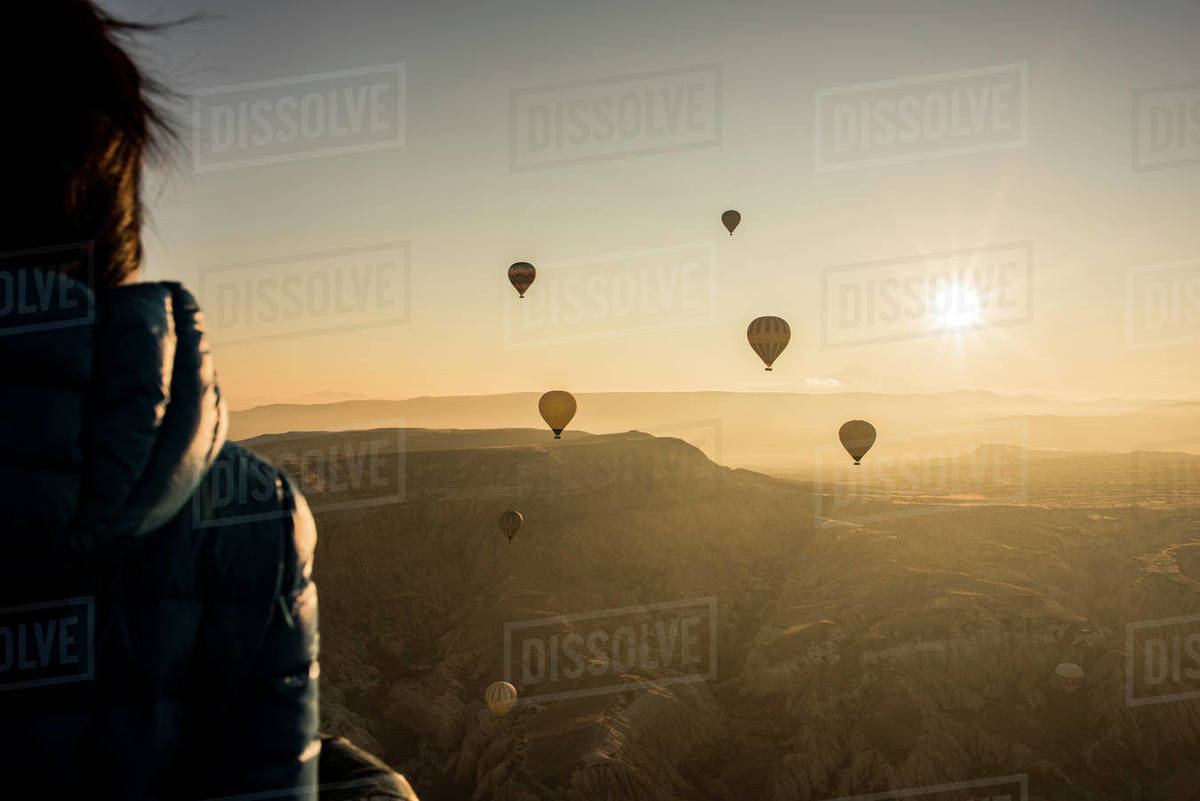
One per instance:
[(730, 220), (857, 437), (501, 697), (510, 523), (557, 408), (521, 276), (768, 336)]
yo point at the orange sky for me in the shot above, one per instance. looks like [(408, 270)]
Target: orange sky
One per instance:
[(639, 286)]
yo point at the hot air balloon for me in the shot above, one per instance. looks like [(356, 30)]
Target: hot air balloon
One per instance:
[(501, 697), (510, 523), (730, 220), (557, 408), (1068, 677), (857, 437), (768, 336), (521, 276)]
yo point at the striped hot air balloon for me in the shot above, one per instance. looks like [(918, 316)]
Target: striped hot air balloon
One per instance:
[(768, 336), (501, 697), (510, 523), (521, 275)]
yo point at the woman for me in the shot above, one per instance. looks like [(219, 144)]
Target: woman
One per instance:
[(158, 618)]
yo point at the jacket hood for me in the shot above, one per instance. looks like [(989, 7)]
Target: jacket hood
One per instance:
[(109, 410)]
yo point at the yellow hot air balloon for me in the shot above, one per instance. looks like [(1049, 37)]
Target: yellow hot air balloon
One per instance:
[(768, 336), (510, 523), (521, 275), (730, 220), (857, 437), (501, 697), (557, 408)]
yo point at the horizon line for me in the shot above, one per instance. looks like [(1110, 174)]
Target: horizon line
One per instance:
[(1026, 394)]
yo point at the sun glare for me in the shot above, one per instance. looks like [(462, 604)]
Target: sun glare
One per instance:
[(956, 307)]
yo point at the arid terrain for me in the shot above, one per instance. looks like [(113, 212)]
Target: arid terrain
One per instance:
[(857, 633)]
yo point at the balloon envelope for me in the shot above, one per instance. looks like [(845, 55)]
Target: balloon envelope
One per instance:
[(768, 336), (510, 523), (557, 408), (521, 276), (1069, 676), (1069, 670), (857, 437), (501, 697), (730, 219)]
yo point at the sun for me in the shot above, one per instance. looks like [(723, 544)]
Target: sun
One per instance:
[(956, 306)]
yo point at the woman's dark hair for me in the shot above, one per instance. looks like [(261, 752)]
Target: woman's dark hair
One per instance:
[(82, 121)]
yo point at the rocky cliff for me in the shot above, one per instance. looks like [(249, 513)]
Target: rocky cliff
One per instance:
[(879, 645)]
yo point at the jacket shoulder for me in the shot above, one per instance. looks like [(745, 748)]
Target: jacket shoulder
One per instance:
[(258, 639), (246, 498)]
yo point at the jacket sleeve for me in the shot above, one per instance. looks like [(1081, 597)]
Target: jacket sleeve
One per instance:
[(259, 640)]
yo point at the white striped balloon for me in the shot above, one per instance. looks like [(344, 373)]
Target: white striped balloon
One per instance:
[(501, 697)]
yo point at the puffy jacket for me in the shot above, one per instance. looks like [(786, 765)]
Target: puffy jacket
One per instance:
[(158, 626)]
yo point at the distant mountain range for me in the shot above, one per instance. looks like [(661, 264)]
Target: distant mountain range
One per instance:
[(780, 431)]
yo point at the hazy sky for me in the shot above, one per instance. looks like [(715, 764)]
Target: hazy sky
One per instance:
[(1044, 151)]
